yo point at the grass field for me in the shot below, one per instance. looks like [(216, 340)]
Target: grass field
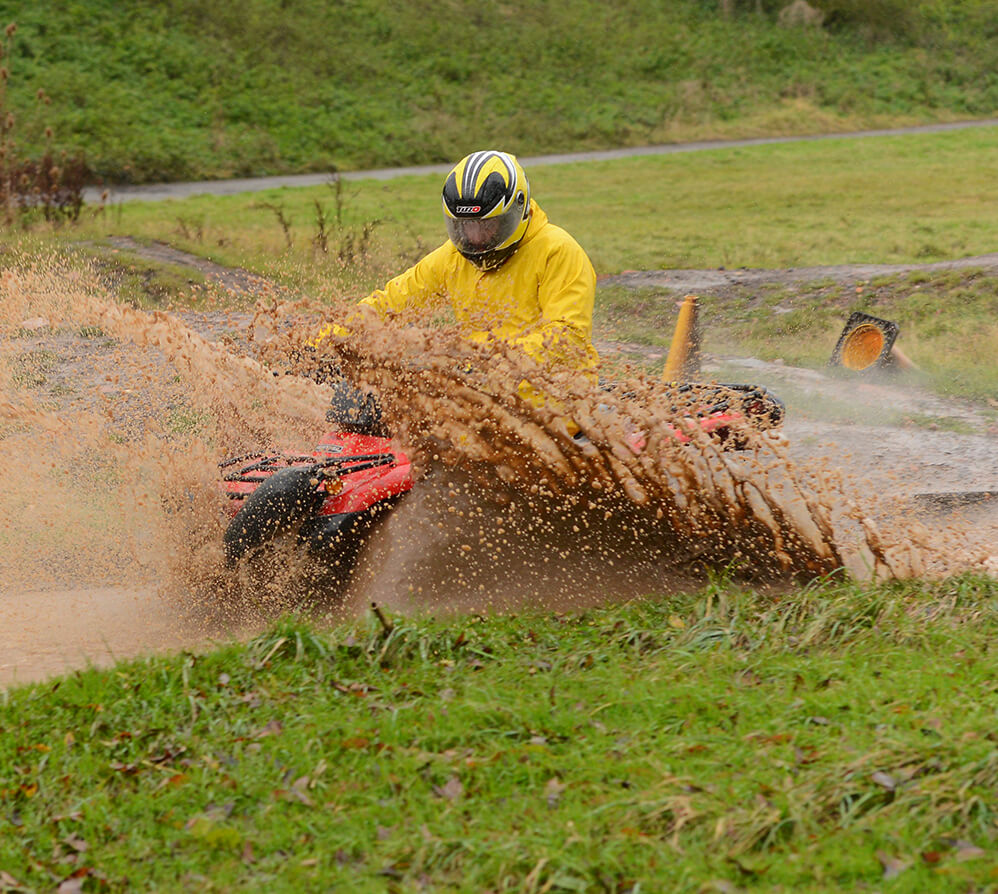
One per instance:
[(906, 199), (836, 738), (188, 90), (915, 198), (826, 737)]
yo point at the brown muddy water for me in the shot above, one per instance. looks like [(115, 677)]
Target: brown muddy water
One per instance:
[(113, 420)]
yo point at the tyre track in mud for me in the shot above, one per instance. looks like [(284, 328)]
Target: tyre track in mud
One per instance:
[(721, 280)]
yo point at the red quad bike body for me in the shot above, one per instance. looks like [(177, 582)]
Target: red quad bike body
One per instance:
[(330, 496)]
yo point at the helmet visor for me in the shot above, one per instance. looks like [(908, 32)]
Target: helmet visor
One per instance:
[(481, 235)]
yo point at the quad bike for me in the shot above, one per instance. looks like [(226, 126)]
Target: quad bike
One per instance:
[(328, 498)]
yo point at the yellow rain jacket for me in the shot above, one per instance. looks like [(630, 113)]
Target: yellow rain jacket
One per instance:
[(541, 299)]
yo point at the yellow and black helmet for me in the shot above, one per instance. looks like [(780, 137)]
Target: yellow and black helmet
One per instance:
[(487, 207)]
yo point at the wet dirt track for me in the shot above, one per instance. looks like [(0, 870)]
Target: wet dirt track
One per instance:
[(67, 598)]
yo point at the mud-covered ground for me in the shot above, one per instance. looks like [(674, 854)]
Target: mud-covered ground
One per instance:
[(62, 614)]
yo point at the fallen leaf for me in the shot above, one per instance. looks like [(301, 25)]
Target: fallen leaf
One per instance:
[(9, 883), (293, 795), (553, 790), (885, 780), (73, 884), (769, 739), (75, 843), (451, 790), (169, 753), (808, 756), (302, 784), (274, 728), (892, 866), (720, 885), (967, 851)]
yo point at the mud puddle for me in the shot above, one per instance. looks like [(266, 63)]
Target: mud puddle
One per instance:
[(47, 632)]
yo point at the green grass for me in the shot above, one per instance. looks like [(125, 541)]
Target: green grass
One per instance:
[(841, 738), (909, 199), (947, 321), (31, 368), (186, 90), (917, 198)]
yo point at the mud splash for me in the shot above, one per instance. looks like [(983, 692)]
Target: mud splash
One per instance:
[(753, 511), (113, 419)]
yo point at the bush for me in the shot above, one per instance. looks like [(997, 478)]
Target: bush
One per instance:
[(46, 186), (877, 20), (50, 187)]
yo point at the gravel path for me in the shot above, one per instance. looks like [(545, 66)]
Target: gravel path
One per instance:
[(159, 191)]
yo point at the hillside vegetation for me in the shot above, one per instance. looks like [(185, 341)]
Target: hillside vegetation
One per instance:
[(186, 90)]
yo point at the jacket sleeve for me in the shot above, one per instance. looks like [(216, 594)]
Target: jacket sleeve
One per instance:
[(421, 286), (566, 293), (418, 287)]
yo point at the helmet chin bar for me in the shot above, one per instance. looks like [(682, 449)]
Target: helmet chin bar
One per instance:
[(491, 260)]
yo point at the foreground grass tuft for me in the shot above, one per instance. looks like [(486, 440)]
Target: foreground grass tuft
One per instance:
[(837, 737)]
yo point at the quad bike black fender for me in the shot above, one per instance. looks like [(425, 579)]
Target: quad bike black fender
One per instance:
[(277, 506)]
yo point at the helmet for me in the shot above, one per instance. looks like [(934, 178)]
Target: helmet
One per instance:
[(486, 201)]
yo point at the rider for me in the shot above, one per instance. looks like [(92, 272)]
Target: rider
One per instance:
[(508, 273)]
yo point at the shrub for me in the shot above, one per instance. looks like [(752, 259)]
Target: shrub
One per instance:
[(48, 186)]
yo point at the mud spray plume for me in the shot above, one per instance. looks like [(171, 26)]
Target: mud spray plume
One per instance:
[(535, 483), (463, 405)]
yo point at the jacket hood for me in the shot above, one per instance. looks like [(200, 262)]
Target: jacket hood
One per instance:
[(538, 220)]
